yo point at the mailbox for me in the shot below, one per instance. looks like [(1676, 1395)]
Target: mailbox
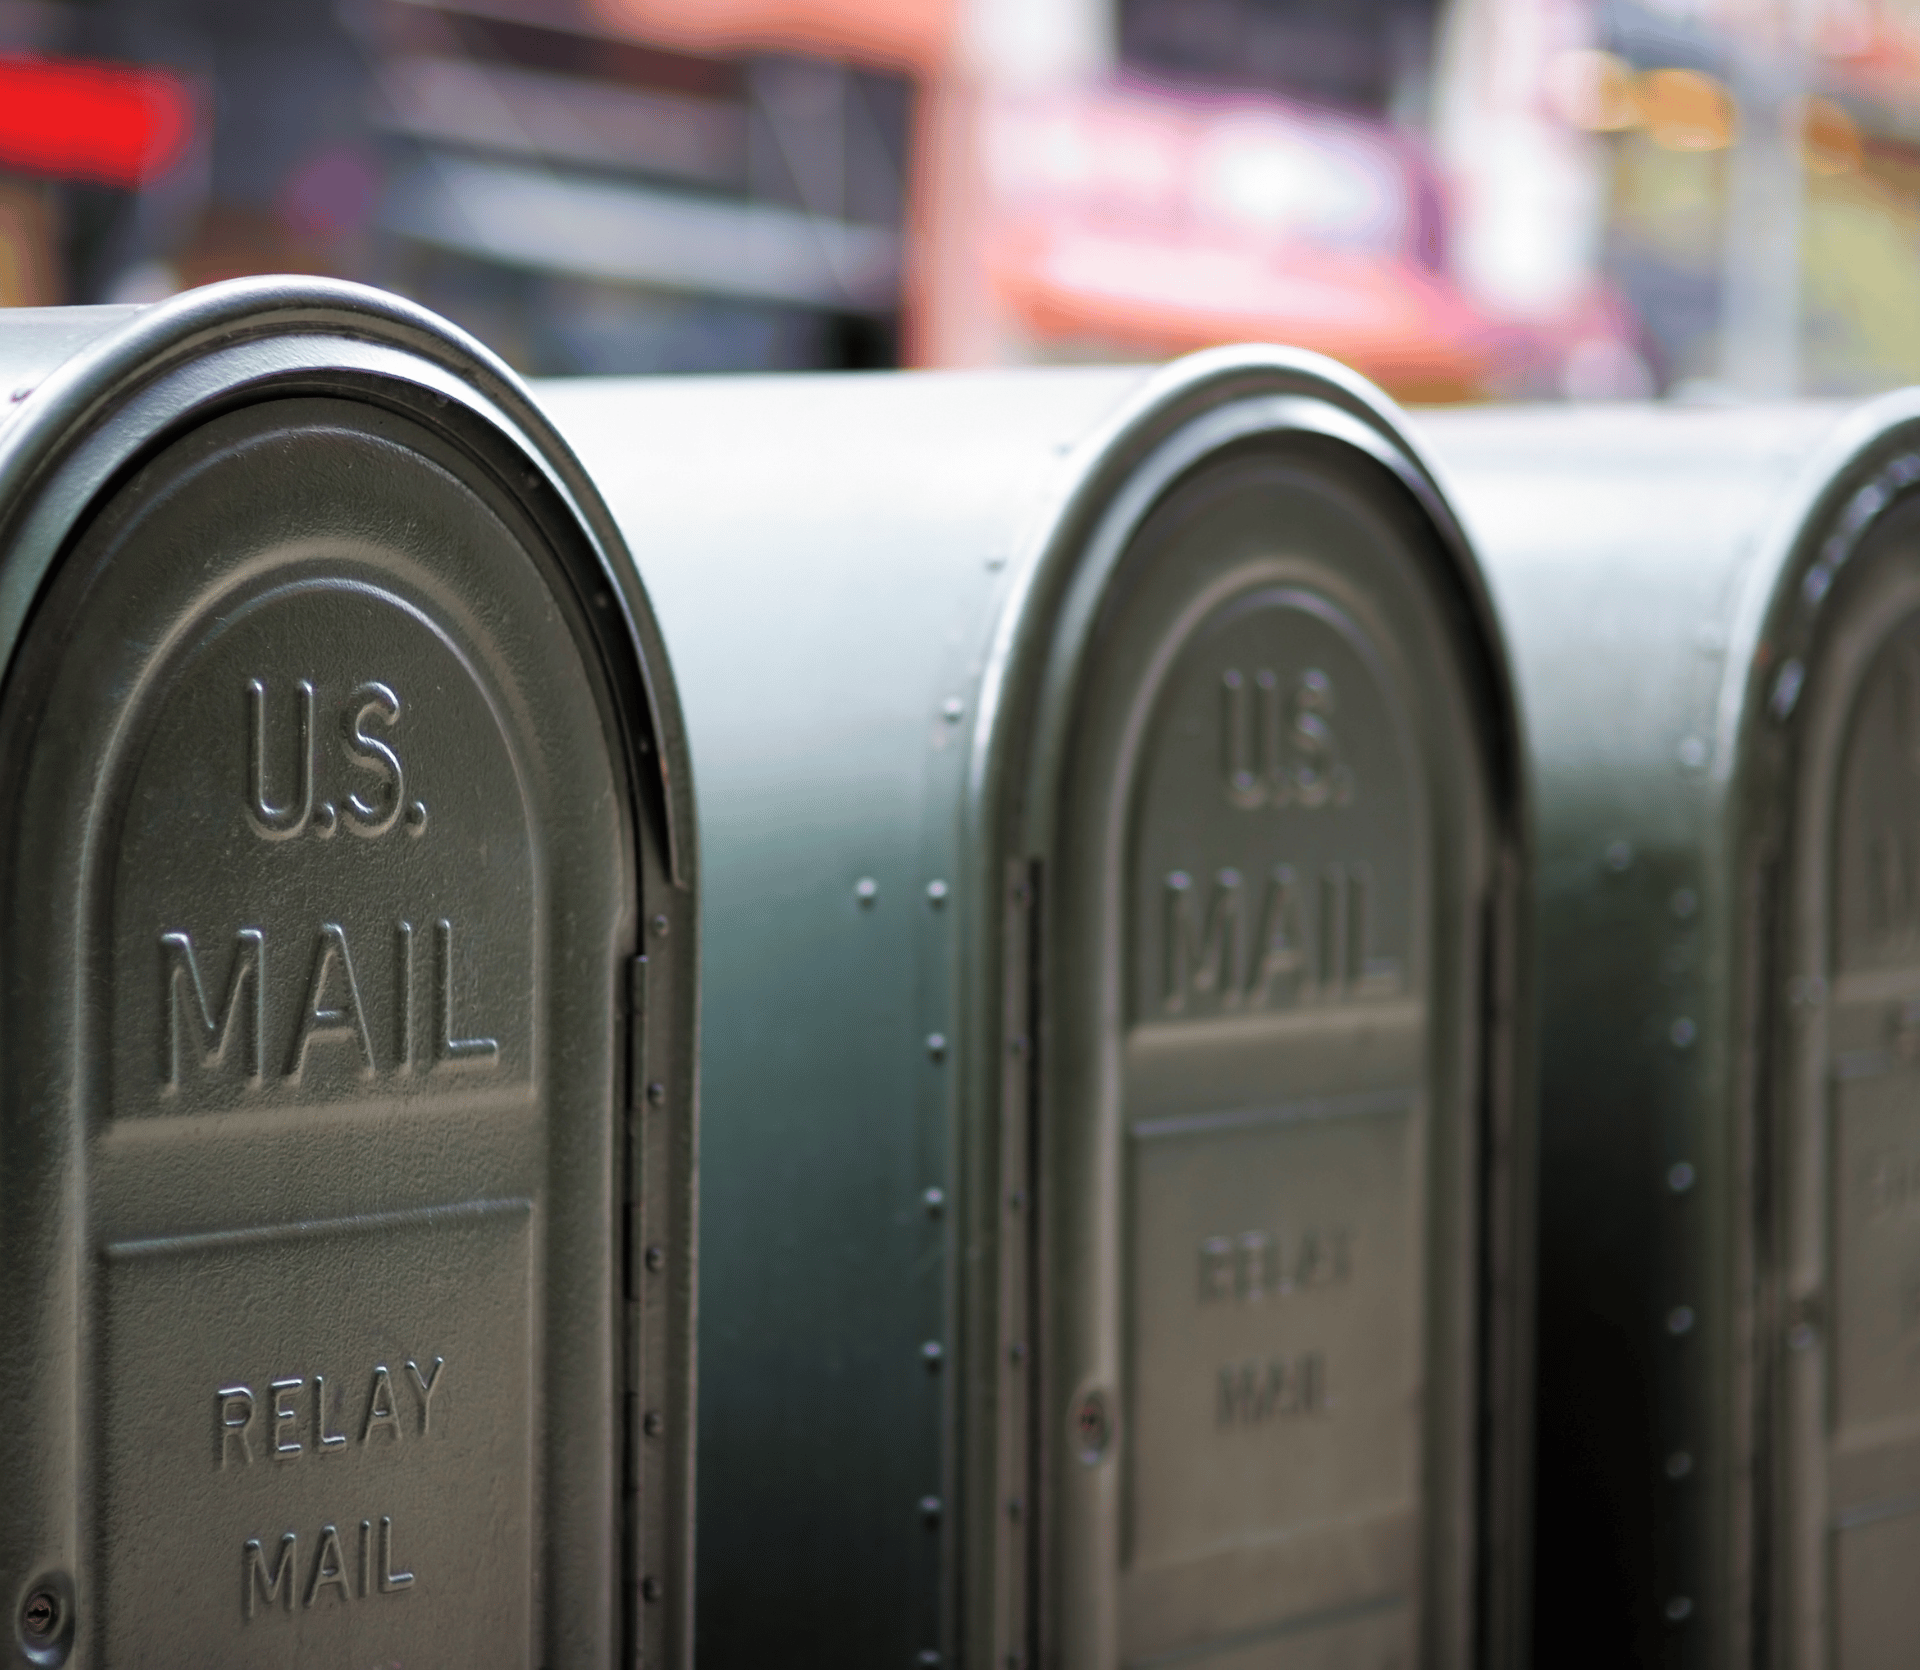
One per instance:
[(348, 969), (1115, 1161), (1715, 616)]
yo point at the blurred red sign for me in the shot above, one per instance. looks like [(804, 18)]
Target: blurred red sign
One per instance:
[(71, 120), (1159, 221)]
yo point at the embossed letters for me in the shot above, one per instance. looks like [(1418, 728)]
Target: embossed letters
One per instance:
[(300, 1407), (1280, 750), (366, 720), (329, 1018), (1253, 1393), (1207, 951), (1255, 1265), (329, 1579)]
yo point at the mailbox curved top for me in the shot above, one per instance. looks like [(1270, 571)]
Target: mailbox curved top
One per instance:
[(90, 392), (1652, 562)]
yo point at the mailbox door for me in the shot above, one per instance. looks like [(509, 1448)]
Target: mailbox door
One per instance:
[(320, 886), (1848, 1191), (1265, 980)]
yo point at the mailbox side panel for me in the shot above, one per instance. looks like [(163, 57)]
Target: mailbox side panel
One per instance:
[(1618, 545), (827, 556)]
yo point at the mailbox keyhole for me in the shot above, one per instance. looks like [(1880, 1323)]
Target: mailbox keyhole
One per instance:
[(1093, 1427)]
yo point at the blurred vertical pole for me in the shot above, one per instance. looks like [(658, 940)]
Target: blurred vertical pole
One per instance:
[(1760, 285), (1001, 49), (1528, 187)]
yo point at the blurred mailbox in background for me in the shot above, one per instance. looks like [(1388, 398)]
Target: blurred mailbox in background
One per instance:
[(1113, 1156), (345, 788), (1716, 619)]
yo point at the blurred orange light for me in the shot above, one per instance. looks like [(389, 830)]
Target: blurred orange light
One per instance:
[(1829, 137), (913, 35), (1592, 90), (1685, 110), (81, 121)]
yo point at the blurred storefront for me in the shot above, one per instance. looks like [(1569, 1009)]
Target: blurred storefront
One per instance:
[(1460, 197)]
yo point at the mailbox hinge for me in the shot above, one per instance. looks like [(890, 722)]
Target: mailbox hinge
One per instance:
[(1019, 1436)]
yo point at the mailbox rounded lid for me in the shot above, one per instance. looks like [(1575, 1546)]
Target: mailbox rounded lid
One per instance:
[(345, 894)]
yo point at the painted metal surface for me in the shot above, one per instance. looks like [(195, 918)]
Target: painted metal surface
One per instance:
[(1713, 617), (349, 845), (1113, 1150)]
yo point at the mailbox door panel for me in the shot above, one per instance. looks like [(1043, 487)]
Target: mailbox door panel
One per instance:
[(1850, 1184), (320, 896), (1265, 1370)]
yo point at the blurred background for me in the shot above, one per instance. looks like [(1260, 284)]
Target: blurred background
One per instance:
[(1463, 198)]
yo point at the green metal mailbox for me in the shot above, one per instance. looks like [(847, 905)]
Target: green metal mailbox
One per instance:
[(347, 844), (1715, 617), (1115, 1167)]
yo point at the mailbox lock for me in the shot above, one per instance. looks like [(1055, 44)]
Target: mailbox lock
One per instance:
[(1092, 1428), (40, 1617), (46, 1621)]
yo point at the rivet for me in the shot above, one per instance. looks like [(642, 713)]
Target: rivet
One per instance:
[(1682, 1032), (656, 1258), (930, 1509), (1015, 1507), (937, 1046), (929, 1656), (1800, 1336), (1618, 856), (866, 890), (1679, 1609), (1017, 1352), (417, 818), (656, 1093), (935, 1201), (650, 1588), (659, 927), (1016, 1199), (1680, 1177), (932, 1354), (1679, 1465), (654, 1424), (936, 893), (1684, 903), (1017, 1046), (1680, 1320), (1693, 752), (951, 709)]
